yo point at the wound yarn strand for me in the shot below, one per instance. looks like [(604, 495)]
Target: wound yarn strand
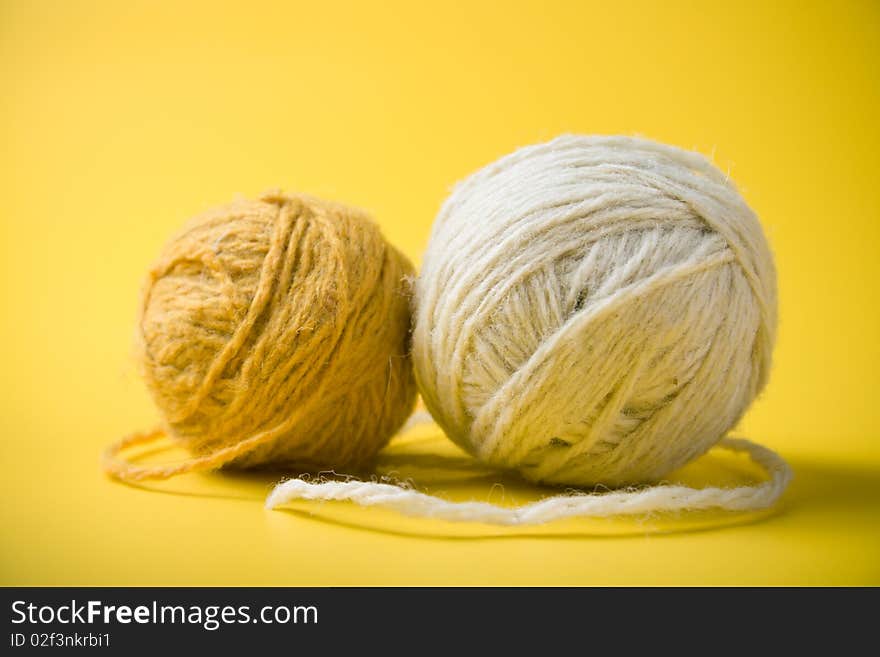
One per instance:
[(594, 310), (274, 332)]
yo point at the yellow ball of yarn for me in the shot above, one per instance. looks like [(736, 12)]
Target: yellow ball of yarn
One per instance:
[(275, 331)]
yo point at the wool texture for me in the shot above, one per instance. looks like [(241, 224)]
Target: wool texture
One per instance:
[(594, 310), (591, 311), (275, 332)]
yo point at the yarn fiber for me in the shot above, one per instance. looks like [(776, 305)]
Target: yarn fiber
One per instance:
[(275, 331), (594, 310)]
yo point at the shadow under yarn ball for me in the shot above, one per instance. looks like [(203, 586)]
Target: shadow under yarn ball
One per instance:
[(594, 310), (275, 331)]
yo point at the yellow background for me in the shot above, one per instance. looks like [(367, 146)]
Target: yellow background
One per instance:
[(121, 119)]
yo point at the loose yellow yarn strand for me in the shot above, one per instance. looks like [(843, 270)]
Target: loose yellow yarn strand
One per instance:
[(121, 468), (125, 470)]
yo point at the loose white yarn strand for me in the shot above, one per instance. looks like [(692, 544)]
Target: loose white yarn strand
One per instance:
[(654, 499)]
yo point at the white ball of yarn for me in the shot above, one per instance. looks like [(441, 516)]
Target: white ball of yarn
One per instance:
[(594, 310)]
